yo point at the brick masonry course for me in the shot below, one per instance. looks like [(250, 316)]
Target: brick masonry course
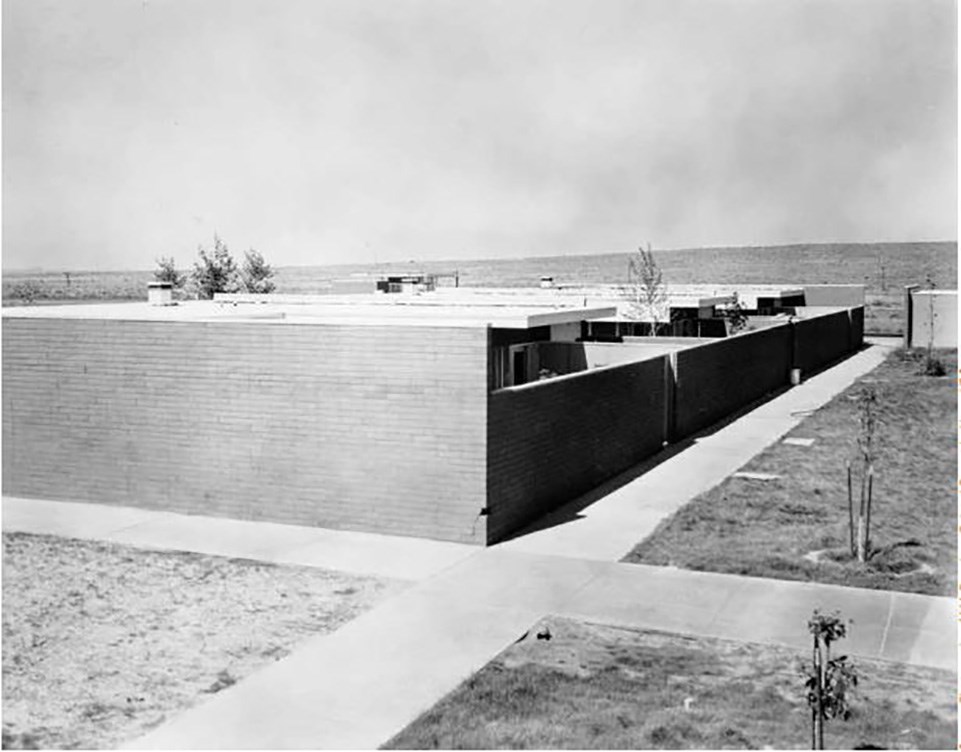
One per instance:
[(364, 428)]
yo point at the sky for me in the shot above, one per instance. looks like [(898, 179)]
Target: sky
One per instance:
[(337, 131)]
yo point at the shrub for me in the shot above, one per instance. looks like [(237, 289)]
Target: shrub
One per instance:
[(256, 273), (166, 271), (28, 291), (215, 272), (933, 366)]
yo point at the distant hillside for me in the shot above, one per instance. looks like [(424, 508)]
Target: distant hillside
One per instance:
[(883, 267), (841, 263)]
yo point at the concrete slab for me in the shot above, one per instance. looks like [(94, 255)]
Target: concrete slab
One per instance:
[(508, 579), (757, 476), (346, 551), (777, 611), (659, 598), (377, 555), (922, 630), (915, 629), (73, 520), (798, 441)]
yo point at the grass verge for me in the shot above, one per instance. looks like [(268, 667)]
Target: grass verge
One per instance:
[(796, 526), (602, 687), (103, 642)]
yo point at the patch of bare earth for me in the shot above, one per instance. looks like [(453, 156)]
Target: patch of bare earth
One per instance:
[(103, 642), (592, 686)]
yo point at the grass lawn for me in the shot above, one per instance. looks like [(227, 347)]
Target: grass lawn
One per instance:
[(103, 642), (602, 687), (796, 527)]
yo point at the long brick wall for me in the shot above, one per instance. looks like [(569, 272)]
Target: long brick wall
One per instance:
[(363, 428), (550, 441), (716, 379), (821, 340)]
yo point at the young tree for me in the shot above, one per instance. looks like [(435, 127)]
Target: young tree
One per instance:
[(256, 273), (860, 533), (215, 272), (734, 313), (645, 288), (166, 271), (828, 679)]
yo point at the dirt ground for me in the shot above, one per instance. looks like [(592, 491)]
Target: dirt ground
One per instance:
[(103, 642), (575, 685)]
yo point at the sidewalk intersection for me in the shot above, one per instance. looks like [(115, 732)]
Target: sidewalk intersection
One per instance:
[(361, 684)]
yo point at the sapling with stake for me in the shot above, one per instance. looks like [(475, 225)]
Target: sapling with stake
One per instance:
[(867, 428)]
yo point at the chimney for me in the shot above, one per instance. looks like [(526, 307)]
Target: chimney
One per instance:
[(160, 293)]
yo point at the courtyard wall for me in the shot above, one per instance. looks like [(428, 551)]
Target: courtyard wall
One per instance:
[(716, 379), (550, 441), (825, 335)]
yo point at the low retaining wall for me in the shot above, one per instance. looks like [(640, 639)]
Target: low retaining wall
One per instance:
[(550, 441)]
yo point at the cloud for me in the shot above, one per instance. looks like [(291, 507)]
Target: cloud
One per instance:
[(315, 131)]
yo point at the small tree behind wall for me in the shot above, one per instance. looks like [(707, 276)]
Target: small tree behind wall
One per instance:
[(646, 289), (933, 365), (215, 272), (166, 271), (256, 273), (734, 313)]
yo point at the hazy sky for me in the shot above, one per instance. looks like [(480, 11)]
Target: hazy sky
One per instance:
[(327, 131)]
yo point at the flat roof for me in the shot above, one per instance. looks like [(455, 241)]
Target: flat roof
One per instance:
[(357, 310)]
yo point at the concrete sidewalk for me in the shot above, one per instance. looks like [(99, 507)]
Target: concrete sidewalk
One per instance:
[(358, 686), (346, 551)]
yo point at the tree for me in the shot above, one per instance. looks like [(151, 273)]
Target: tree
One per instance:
[(215, 272), (645, 288), (860, 534), (828, 679), (166, 271), (28, 291), (734, 313), (256, 273)]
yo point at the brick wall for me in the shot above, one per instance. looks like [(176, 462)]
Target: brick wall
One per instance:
[(362, 428), (823, 339), (550, 441), (716, 379)]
